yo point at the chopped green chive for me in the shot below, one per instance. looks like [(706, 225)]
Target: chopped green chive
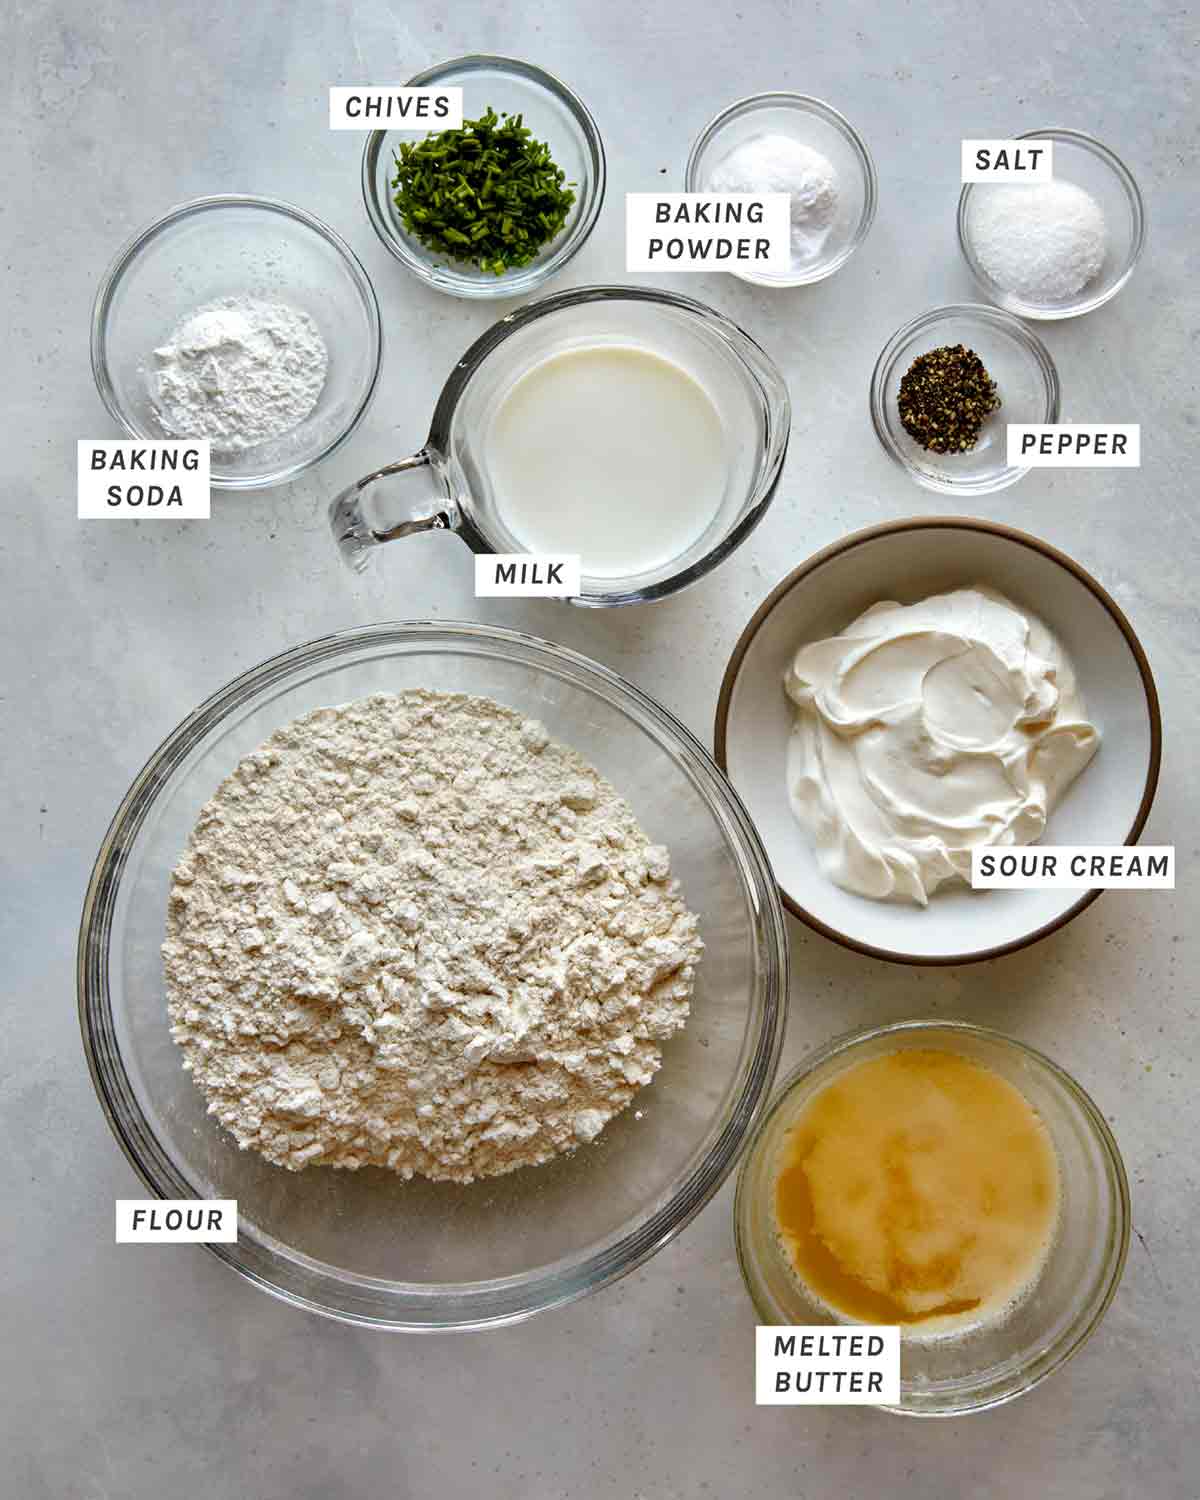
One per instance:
[(488, 194)]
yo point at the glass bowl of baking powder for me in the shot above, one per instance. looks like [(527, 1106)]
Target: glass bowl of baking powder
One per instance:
[(789, 142), (366, 1246)]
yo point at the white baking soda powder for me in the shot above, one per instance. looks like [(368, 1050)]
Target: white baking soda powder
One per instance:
[(239, 371)]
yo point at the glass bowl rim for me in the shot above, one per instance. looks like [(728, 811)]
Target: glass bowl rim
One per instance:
[(139, 241), (507, 1299), (1057, 312), (982, 312), (810, 104), (1008, 533), (527, 278), (1088, 1320)]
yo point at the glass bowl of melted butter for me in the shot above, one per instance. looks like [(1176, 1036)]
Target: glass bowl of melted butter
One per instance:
[(947, 1179)]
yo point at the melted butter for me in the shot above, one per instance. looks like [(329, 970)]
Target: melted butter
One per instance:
[(917, 1188)]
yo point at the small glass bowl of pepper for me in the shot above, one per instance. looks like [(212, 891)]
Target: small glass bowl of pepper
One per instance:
[(553, 151), (967, 371)]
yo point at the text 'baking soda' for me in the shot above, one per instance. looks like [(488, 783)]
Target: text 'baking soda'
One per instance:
[(158, 478)]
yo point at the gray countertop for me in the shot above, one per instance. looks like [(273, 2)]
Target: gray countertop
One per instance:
[(135, 1372)]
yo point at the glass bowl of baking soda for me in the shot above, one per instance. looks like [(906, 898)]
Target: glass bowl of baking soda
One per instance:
[(243, 320), (785, 142), (1060, 248)]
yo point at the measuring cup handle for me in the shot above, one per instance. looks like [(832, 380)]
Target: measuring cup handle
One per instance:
[(375, 509)]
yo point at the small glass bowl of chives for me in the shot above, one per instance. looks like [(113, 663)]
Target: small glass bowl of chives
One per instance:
[(555, 119)]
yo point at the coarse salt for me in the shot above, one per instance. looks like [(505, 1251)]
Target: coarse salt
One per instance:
[(1041, 241)]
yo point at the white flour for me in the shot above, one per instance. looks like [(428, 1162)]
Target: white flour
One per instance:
[(412, 932), (239, 371)]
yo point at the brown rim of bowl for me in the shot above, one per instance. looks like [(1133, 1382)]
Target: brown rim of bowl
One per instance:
[(948, 523)]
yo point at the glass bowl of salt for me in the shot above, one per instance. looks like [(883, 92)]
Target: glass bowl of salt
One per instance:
[(1059, 248), (791, 143)]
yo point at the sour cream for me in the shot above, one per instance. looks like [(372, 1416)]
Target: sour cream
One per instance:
[(924, 730)]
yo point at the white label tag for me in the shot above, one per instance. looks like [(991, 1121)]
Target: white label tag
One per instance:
[(527, 575), (827, 1366), (1070, 867), (165, 479), (1007, 161), (179, 1221), (1075, 445), (708, 232), (371, 107)]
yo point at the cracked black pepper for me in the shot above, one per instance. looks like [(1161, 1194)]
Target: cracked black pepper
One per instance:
[(945, 398)]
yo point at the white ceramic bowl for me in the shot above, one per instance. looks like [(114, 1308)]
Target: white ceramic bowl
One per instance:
[(908, 560)]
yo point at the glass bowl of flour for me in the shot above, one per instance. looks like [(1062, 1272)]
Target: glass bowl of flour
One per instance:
[(245, 321), (367, 1246)]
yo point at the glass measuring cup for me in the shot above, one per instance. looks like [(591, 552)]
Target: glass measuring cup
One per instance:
[(447, 486)]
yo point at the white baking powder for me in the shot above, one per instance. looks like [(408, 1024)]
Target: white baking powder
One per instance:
[(779, 164), (239, 371), (1041, 241), (413, 932)]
